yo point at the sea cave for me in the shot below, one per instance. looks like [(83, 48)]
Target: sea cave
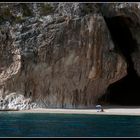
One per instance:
[(126, 91)]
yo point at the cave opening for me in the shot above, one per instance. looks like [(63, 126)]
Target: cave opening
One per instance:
[(127, 90)]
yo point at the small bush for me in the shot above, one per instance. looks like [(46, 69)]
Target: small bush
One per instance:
[(26, 10), (6, 12), (18, 19), (6, 15), (46, 9), (1, 18)]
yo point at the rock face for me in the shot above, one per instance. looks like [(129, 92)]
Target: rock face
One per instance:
[(61, 54), (131, 14), (17, 102)]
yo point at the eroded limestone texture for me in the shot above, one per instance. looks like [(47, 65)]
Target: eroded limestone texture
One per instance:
[(63, 59), (16, 101), (130, 12)]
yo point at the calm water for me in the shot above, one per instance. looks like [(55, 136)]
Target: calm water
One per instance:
[(65, 125)]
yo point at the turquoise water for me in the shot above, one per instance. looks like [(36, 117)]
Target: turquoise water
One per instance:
[(67, 125)]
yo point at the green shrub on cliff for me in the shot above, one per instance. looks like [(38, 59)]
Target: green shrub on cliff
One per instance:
[(46, 9), (6, 15), (26, 10), (19, 19)]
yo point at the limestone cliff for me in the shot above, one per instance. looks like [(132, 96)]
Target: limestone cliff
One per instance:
[(130, 12), (61, 54)]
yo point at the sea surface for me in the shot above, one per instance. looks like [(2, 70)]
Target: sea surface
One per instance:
[(67, 125)]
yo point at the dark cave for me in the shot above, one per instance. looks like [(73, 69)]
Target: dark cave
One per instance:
[(127, 90)]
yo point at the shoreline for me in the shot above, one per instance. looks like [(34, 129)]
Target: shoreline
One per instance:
[(108, 110)]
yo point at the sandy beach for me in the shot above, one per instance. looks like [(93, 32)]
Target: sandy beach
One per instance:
[(108, 110)]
